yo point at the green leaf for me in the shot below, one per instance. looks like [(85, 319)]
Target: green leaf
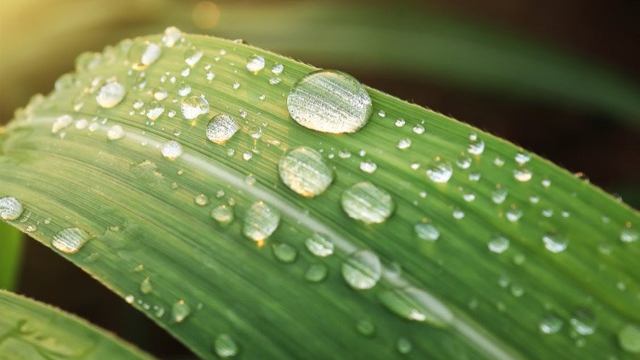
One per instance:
[(96, 183), (32, 330), (10, 256)]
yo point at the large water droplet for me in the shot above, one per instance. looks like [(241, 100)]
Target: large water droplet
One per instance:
[(362, 270), (180, 311), (316, 273), (440, 171), (415, 304), (171, 150), (70, 240), (319, 245), (221, 128), (194, 106), (367, 203), (522, 175), (115, 132), (225, 346), (629, 338), (260, 221), (285, 252), (426, 232), (10, 208), (304, 171), (223, 214), (151, 54), (110, 94), (554, 243), (255, 64), (329, 101)]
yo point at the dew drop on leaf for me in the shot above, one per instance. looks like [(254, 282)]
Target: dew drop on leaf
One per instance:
[(498, 244), (115, 132), (110, 94), (284, 252), (223, 214), (255, 63), (151, 54), (70, 240), (304, 171), (554, 243), (362, 270), (368, 166), (221, 128), (426, 232), (260, 221), (171, 150), (225, 347), (628, 235), (367, 203), (629, 338), (180, 310), (145, 286), (583, 321), (194, 106), (522, 175), (416, 304), (403, 345), (440, 172), (171, 36), (550, 324), (61, 122), (365, 327), (319, 245), (329, 101), (316, 273), (10, 208), (192, 56)]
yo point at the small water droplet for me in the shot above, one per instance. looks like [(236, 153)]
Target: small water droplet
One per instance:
[(61, 122), (329, 101), (154, 111), (403, 345), (151, 54), (145, 286), (70, 240), (522, 175), (499, 195), (284, 252), (514, 214), (367, 203), (221, 128), (255, 64), (316, 273), (110, 94), (583, 322), (194, 106), (554, 243), (416, 304), (223, 214), (368, 166), (115, 132), (225, 346), (319, 245), (463, 162), (10, 208), (498, 244), (171, 150), (629, 338), (192, 56), (404, 144), (476, 145), (426, 232), (171, 36), (180, 310), (260, 221), (201, 200), (440, 172), (418, 129), (550, 324), (400, 122), (362, 270), (304, 171), (628, 235), (365, 327)]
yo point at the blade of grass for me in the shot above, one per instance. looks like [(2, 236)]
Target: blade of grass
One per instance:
[(154, 245), (10, 256), (31, 330)]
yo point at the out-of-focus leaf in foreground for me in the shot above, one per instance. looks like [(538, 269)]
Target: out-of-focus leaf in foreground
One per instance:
[(30, 330), (10, 255), (158, 168)]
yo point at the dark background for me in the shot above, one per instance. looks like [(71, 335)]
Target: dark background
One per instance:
[(607, 151)]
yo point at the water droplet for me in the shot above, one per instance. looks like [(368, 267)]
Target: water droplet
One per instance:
[(184, 89), (61, 122), (550, 324), (514, 214), (400, 122), (277, 69), (319, 245), (194, 106), (201, 200), (129, 299), (499, 195), (145, 286), (316, 273), (522, 158), (415, 304), (180, 311), (440, 172), (554, 243), (110, 94), (115, 132), (403, 345), (368, 166), (427, 232), (225, 346), (285, 252), (260, 221), (171, 36), (476, 145), (522, 175), (583, 322), (498, 244), (154, 111), (464, 162), (151, 54), (192, 56), (362, 270), (223, 214), (70, 240), (404, 144), (458, 214), (221, 128), (365, 327), (171, 150), (367, 203), (255, 64), (304, 171), (629, 338), (10, 208), (160, 94), (329, 101), (628, 235), (418, 129)]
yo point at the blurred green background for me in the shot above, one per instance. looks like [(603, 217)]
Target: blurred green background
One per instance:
[(559, 78)]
